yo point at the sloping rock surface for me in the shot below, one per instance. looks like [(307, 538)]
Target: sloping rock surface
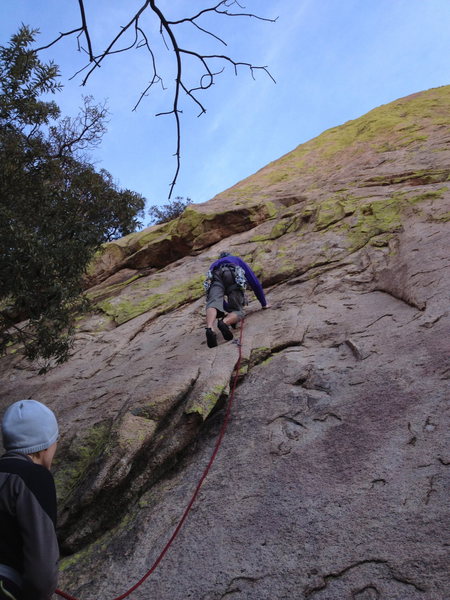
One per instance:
[(331, 479)]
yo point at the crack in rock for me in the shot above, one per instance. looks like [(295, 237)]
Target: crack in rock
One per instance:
[(356, 351), (378, 569), (239, 585), (377, 482), (431, 489), (287, 418), (408, 301), (369, 592), (328, 416)]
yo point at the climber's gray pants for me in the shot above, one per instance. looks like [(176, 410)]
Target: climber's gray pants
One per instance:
[(223, 285)]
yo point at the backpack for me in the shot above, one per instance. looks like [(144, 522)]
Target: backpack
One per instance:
[(208, 281), (238, 274), (239, 277)]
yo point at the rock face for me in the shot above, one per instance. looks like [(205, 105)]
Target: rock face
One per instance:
[(330, 481)]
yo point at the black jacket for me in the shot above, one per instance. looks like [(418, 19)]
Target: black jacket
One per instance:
[(28, 541)]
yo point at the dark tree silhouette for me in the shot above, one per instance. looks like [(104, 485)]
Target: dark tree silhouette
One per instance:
[(134, 35), (56, 210), (169, 211)]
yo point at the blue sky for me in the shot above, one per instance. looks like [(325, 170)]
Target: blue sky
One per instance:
[(333, 60)]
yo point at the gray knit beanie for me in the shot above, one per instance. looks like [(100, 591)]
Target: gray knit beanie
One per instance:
[(29, 426)]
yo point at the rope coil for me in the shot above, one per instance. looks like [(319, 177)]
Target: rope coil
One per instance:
[(197, 489)]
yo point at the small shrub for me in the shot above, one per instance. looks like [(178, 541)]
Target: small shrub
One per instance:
[(168, 212)]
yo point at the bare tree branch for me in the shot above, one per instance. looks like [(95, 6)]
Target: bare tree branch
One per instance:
[(226, 3), (56, 40), (109, 50), (175, 110), (227, 8), (156, 78), (85, 29), (84, 131)]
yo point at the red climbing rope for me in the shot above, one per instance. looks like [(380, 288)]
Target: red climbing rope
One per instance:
[(197, 489)]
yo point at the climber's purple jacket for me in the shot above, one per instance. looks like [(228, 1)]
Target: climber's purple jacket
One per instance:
[(252, 280)]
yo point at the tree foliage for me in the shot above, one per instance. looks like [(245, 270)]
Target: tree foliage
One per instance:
[(169, 211), (55, 209)]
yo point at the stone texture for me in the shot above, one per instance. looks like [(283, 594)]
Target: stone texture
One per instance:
[(331, 479)]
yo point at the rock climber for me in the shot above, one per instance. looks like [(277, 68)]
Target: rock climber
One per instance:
[(29, 551), (225, 283)]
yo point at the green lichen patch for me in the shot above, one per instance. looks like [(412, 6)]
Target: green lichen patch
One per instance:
[(374, 219), (133, 431), (191, 222), (384, 216), (91, 552), (428, 195), (362, 220), (72, 465), (419, 177), (271, 208), (442, 218), (135, 241), (148, 284), (205, 403), (334, 209), (288, 224), (382, 240), (279, 229), (124, 309), (258, 355), (243, 370), (277, 176), (70, 562), (283, 226), (110, 253), (110, 290)]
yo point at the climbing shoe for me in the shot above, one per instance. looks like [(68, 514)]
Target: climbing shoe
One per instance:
[(225, 330), (211, 338)]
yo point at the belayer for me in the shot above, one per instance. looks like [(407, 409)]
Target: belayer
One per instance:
[(29, 550), (225, 283)]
